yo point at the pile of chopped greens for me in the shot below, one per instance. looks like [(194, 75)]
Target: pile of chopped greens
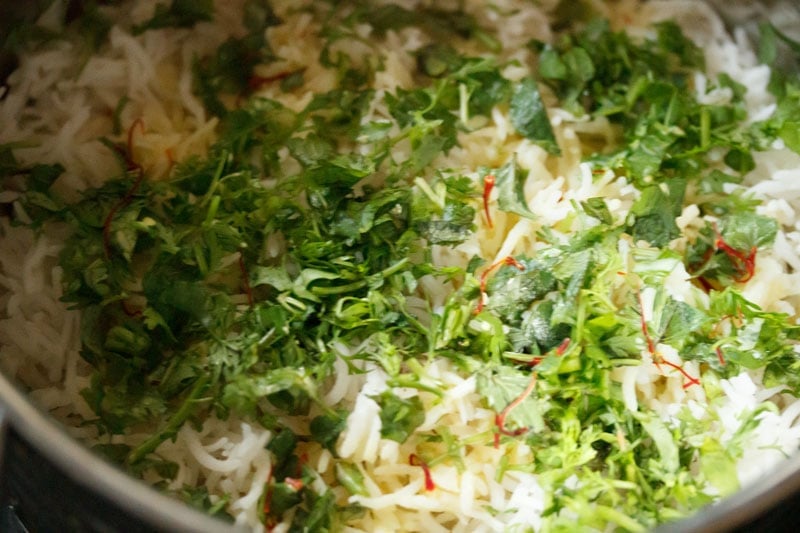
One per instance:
[(188, 312)]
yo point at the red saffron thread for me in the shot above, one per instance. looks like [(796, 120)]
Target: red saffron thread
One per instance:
[(133, 313), (500, 418), (745, 264), (256, 82), (651, 347), (488, 185), (416, 460), (658, 360), (689, 379), (245, 280), (510, 261), (170, 157), (268, 494), (720, 356), (132, 166), (705, 285), (302, 460), (564, 346), (138, 122), (561, 349)]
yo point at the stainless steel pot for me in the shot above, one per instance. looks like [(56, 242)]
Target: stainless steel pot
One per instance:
[(50, 482)]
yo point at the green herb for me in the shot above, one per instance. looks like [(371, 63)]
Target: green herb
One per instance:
[(198, 497), (530, 118), (232, 287), (727, 253), (230, 70), (178, 14), (653, 214), (433, 20), (597, 208), (90, 23), (400, 417), (508, 182)]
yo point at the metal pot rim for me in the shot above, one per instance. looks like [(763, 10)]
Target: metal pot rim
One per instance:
[(86, 468)]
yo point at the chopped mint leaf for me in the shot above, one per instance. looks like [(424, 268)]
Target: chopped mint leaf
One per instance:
[(510, 196), (529, 116), (399, 417), (501, 386), (652, 217), (597, 208), (325, 429)]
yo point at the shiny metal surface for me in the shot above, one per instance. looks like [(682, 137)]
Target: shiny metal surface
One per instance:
[(156, 511), (741, 510)]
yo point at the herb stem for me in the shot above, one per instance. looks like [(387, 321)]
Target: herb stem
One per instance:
[(622, 520), (360, 284), (215, 180), (339, 289), (212, 210), (177, 420), (705, 128)]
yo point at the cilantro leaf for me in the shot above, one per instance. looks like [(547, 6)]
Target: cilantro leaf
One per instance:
[(399, 416), (501, 385)]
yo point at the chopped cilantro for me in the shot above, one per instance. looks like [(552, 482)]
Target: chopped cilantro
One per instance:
[(178, 14), (230, 70), (306, 236)]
